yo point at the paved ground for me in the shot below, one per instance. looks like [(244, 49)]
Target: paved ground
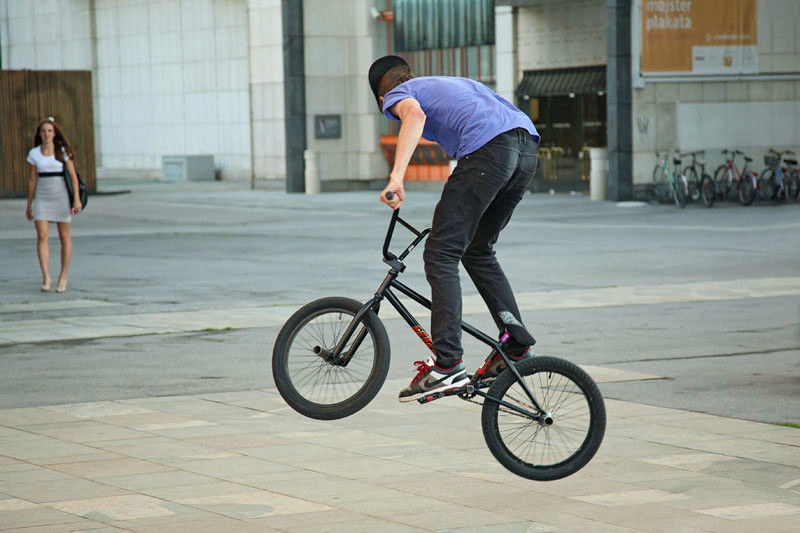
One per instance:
[(141, 401)]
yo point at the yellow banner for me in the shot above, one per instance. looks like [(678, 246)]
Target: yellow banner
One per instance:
[(699, 36)]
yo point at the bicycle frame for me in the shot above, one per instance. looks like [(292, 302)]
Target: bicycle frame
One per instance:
[(734, 173), (385, 291), (696, 164)]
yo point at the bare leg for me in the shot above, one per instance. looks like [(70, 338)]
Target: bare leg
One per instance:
[(43, 250), (66, 254)]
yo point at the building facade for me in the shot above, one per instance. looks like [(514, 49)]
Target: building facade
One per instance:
[(705, 75), (195, 77)]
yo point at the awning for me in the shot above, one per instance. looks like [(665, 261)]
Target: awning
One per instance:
[(582, 80)]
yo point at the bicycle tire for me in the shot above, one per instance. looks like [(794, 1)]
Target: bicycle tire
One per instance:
[(659, 175), (747, 190), (793, 186), (316, 388), (537, 451), (723, 180), (681, 191), (693, 182), (766, 185), (708, 191)]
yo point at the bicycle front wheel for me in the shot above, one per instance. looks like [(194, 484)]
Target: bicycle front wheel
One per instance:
[(694, 183), (708, 191), (723, 177), (552, 447), (766, 185), (306, 376), (681, 192), (747, 189)]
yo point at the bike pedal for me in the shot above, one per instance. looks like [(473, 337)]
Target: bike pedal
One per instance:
[(469, 388), (431, 397)]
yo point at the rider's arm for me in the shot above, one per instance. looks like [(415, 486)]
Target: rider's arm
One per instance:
[(412, 119)]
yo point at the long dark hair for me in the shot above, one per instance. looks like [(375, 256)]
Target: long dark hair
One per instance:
[(60, 141)]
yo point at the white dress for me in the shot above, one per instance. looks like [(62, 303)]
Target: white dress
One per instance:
[(52, 201)]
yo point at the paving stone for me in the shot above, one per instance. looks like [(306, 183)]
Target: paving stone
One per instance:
[(58, 490), (125, 507)]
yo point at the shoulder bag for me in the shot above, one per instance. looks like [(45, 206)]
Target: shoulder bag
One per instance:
[(83, 192)]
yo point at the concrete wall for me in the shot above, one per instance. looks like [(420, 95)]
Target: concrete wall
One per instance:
[(507, 74), (206, 77), (173, 76), (752, 114), (266, 86), (170, 76), (568, 33), (712, 115), (340, 46), (46, 35), (778, 36)]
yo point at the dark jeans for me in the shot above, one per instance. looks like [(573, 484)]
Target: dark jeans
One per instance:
[(476, 204)]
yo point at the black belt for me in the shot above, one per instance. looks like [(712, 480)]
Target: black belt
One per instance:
[(50, 174)]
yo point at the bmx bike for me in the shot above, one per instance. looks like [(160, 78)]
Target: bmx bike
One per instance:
[(543, 418)]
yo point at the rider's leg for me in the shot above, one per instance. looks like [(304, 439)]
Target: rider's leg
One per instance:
[(482, 265), (475, 183)]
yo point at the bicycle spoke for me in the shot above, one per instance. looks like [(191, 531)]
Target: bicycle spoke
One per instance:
[(536, 443), (317, 379)]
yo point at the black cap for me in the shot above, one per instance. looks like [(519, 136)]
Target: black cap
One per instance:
[(379, 68)]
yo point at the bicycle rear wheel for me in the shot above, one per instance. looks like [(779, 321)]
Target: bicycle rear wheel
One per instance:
[(708, 191), (309, 381), (792, 185), (544, 450)]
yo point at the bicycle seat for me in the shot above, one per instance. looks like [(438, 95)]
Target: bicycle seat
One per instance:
[(748, 159)]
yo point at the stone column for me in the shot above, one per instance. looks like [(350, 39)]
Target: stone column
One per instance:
[(619, 100), (294, 93)]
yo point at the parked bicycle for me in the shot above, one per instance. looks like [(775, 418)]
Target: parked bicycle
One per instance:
[(670, 183), (780, 180), (543, 418), (695, 172), (730, 180)]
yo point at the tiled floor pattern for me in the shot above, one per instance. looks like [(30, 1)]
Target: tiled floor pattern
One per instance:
[(246, 462)]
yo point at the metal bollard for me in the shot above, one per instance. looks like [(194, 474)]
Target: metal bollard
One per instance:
[(598, 174), (312, 171)]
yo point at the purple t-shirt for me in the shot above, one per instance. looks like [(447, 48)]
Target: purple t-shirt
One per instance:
[(462, 114)]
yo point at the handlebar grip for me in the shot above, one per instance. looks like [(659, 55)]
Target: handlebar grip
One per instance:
[(389, 195)]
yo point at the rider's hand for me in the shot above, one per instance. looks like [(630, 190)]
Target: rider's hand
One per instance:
[(396, 187)]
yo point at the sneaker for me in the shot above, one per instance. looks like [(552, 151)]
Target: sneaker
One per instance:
[(432, 379), (495, 364)]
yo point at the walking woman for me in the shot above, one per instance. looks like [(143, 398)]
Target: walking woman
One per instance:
[(50, 157)]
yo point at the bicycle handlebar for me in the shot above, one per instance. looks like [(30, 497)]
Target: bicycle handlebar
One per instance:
[(388, 257)]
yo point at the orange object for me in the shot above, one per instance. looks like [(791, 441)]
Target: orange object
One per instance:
[(428, 163)]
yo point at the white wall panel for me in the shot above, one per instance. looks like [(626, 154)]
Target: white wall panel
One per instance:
[(737, 125)]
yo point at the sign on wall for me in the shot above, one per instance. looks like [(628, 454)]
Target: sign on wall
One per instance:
[(699, 36)]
